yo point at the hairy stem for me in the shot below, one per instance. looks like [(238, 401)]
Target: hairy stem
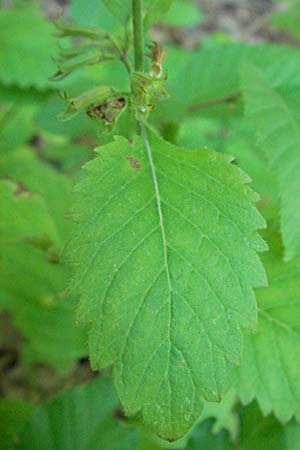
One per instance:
[(138, 34)]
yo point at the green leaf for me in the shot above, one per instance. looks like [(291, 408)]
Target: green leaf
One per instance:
[(121, 9), (204, 438), (190, 75), (94, 12), (223, 413), (153, 9), (198, 131), (13, 416), (24, 167), (39, 306), (182, 13), (249, 157), (219, 62), (82, 418), (265, 433), (32, 234), (270, 370), (279, 136), (16, 124), (26, 48), (25, 214), (287, 18), (167, 253)]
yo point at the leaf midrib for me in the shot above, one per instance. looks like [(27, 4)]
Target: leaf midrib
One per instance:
[(164, 241)]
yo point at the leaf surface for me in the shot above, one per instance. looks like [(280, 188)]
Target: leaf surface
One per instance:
[(166, 242), (34, 49), (32, 232), (153, 9), (13, 416), (204, 438), (82, 418), (223, 413), (270, 371), (279, 136), (265, 433)]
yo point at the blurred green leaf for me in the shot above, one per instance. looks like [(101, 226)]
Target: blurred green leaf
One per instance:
[(183, 13), (22, 165), (278, 135), (288, 18), (270, 370), (203, 438), (13, 416), (266, 433), (82, 418), (26, 48), (93, 12), (32, 281)]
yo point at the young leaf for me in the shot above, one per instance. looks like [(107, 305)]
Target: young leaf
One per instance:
[(279, 137), (82, 418), (167, 246), (270, 371)]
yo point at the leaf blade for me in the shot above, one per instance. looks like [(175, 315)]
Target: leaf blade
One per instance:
[(270, 370), (135, 325), (279, 137)]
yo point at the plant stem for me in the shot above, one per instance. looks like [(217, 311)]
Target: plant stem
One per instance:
[(138, 34)]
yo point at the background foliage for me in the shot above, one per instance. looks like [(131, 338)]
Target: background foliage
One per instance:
[(234, 92)]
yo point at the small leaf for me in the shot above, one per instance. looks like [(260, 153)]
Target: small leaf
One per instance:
[(167, 250)]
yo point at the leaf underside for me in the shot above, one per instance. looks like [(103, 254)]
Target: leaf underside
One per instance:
[(167, 265)]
